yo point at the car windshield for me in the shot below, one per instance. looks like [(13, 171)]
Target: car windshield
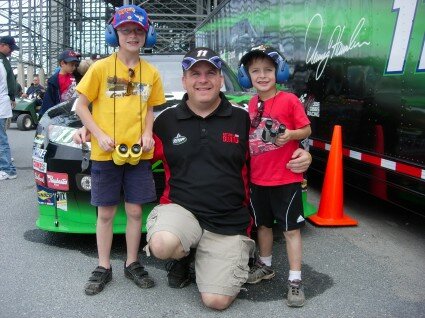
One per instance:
[(169, 66)]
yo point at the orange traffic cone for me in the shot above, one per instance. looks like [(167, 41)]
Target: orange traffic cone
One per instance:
[(331, 202)]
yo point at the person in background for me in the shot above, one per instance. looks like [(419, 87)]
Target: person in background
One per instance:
[(61, 85), (7, 103), (82, 69), (35, 89), (19, 90), (94, 57)]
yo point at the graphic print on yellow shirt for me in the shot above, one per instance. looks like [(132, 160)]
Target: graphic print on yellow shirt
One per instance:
[(120, 87)]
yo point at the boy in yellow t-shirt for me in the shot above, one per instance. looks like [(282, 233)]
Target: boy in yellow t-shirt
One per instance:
[(122, 89)]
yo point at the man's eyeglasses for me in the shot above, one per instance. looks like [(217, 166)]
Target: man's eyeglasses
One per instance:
[(137, 31), (255, 122), (130, 84), (189, 61)]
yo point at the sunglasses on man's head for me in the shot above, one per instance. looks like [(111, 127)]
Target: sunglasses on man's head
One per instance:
[(130, 85), (255, 122), (189, 61)]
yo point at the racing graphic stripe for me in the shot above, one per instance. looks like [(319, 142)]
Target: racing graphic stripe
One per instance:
[(374, 160)]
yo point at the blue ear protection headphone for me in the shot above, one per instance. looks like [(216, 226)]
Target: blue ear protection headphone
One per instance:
[(282, 71), (111, 36)]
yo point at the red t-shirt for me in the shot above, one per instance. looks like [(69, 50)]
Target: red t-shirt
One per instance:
[(67, 86), (268, 162)]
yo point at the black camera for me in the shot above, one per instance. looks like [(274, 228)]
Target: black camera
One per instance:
[(270, 134)]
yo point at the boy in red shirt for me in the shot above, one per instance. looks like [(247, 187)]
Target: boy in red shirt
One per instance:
[(61, 85), (278, 123)]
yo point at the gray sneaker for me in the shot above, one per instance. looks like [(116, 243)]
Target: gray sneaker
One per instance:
[(6, 176), (296, 296), (258, 272)]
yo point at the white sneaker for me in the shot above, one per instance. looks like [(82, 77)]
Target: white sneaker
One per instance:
[(5, 176)]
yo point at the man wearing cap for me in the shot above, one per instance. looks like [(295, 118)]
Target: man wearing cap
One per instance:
[(61, 85), (203, 143), (7, 102)]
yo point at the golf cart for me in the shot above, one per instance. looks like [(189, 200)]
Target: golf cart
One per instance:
[(25, 113)]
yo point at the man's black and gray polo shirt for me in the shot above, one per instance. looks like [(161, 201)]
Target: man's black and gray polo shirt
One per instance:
[(205, 162)]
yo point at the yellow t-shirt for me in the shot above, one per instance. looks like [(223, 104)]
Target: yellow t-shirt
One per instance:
[(120, 100)]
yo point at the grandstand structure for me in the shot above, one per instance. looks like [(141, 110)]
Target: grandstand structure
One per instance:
[(44, 28)]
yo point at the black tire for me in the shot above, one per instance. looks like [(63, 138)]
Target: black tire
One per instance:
[(24, 122)]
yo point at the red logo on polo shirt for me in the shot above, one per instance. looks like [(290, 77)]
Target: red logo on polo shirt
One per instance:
[(230, 138)]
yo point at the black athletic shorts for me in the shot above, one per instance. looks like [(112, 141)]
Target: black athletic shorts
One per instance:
[(282, 204)]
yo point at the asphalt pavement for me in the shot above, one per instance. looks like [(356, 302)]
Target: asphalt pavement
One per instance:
[(376, 269)]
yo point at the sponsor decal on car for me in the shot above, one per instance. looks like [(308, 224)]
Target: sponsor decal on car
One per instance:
[(39, 165), (45, 196), (39, 139), (61, 201), (57, 181), (63, 136), (38, 153), (40, 178)]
